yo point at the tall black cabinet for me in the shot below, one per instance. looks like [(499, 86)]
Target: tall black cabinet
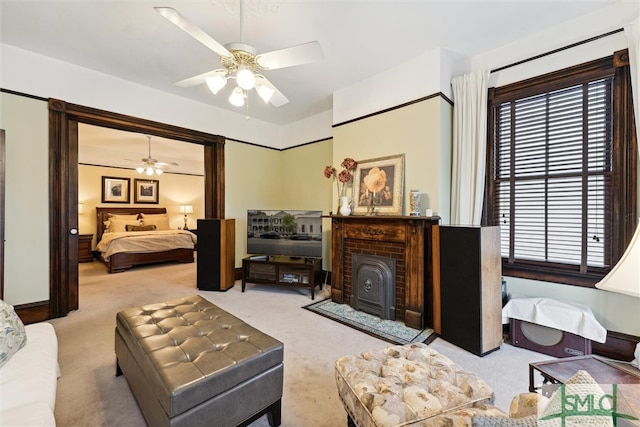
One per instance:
[(470, 287), (216, 254)]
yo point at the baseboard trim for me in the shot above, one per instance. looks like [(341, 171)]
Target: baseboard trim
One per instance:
[(618, 346), (33, 312)]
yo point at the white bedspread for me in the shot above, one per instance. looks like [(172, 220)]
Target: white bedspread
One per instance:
[(145, 241), (570, 317)]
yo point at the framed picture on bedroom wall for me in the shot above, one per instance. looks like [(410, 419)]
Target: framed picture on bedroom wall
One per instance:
[(115, 190), (146, 191)]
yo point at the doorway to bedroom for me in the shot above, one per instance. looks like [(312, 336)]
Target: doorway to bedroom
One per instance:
[(64, 121)]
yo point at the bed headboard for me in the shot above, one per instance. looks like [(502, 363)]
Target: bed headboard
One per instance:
[(103, 215)]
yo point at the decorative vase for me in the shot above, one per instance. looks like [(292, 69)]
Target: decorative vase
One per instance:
[(345, 206), (414, 202)]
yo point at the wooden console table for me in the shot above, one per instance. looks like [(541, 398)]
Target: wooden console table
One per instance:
[(601, 370), (414, 243), (282, 271)]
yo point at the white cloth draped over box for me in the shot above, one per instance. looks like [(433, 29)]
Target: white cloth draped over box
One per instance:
[(145, 241), (575, 318)]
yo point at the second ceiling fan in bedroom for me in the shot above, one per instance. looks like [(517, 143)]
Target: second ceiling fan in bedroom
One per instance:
[(242, 62)]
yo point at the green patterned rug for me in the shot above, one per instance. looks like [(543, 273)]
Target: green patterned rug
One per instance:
[(389, 330)]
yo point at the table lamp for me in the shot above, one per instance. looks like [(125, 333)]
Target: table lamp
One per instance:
[(186, 209)]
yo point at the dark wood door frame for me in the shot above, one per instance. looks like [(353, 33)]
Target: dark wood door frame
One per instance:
[(2, 205), (63, 188)]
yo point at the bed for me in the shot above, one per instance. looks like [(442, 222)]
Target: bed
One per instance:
[(140, 244)]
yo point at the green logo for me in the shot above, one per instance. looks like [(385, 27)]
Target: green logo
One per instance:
[(587, 405)]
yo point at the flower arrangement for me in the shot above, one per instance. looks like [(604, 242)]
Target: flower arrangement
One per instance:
[(348, 165)]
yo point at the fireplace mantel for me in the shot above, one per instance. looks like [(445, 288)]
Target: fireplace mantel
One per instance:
[(415, 244)]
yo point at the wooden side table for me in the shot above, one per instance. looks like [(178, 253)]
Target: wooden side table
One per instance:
[(85, 254), (601, 370)]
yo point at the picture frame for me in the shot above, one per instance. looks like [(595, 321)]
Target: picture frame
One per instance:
[(378, 186), (115, 189), (146, 191)]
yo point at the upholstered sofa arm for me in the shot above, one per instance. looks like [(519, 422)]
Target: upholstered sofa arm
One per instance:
[(526, 404)]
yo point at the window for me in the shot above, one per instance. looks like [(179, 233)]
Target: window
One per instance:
[(562, 176)]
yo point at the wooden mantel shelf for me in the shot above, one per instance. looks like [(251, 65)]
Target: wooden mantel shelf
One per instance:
[(415, 244)]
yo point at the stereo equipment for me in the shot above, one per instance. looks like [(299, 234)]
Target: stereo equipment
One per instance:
[(215, 258), (543, 339), (470, 287)]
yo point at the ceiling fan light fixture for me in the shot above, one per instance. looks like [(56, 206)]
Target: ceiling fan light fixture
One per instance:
[(158, 171), (245, 77), (149, 171), (216, 83), (265, 93), (140, 169), (237, 97)]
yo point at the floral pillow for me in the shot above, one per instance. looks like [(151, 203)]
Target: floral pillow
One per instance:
[(12, 334)]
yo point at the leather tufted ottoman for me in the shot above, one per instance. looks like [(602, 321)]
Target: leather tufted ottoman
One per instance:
[(409, 385), (190, 363)]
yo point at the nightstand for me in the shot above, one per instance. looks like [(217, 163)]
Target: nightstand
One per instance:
[(85, 254)]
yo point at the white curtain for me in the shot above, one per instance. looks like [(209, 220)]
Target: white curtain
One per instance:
[(469, 147), (624, 277)]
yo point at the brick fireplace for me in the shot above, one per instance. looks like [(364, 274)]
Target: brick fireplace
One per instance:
[(412, 242)]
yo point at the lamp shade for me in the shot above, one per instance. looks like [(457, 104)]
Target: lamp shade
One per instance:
[(186, 209), (245, 78), (237, 97), (216, 83), (265, 92)]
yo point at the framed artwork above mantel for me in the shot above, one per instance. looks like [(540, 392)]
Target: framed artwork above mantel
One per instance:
[(378, 186)]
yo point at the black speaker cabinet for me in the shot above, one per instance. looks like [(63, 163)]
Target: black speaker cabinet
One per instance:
[(216, 254), (543, 339), (471, 287)]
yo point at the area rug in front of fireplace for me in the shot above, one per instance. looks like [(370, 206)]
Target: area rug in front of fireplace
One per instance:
[(392, 331)]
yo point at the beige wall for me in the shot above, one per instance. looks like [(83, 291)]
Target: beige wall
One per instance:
[(256, 178), (420, 131), (173, 190), (263, 178), (26, 263)]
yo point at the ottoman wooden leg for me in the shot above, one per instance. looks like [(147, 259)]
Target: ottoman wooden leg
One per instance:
[(275, 414)]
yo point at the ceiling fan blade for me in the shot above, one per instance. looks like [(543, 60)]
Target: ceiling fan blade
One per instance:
[(193, 30), (165, 164), (291, 56), (200, 78), (277, 99)]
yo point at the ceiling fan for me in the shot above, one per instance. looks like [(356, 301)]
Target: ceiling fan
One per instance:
[(242, 62), (149, 165)]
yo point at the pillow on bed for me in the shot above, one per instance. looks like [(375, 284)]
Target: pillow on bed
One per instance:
[(131, 227), (133, 217), (161, 221), (116, 225)]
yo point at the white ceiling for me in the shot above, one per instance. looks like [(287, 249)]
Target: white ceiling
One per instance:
[(110, 147), (360, 38), (128, 39)]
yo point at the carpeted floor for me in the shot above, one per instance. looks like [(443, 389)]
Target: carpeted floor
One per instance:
[(393, 331), (89, 393)]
